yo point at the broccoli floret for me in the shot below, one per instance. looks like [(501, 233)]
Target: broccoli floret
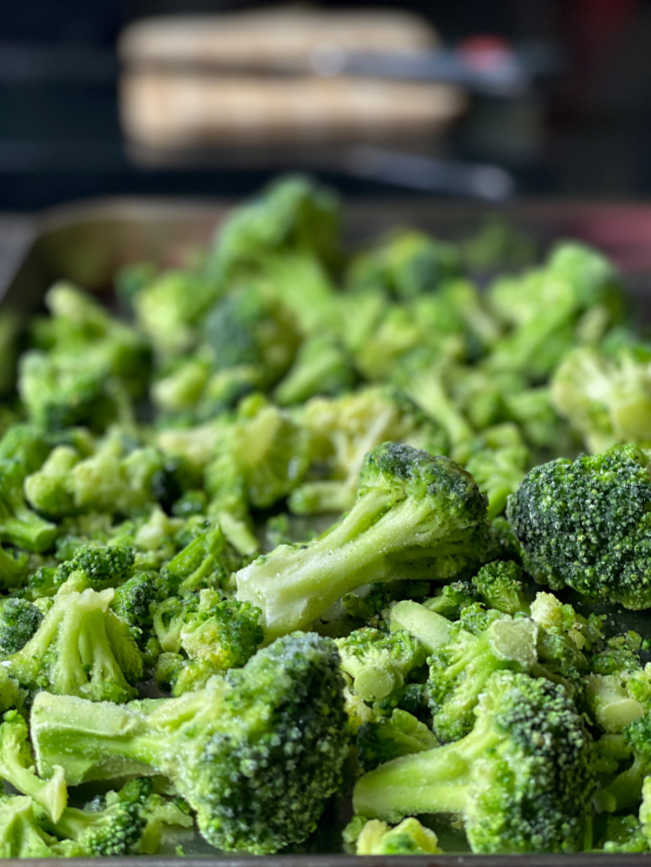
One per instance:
[(407, 838), (163, 816), (344, 429), (585, 524), (497, 459), (267, 449), (133, 599), (119, 478), (17, 767), (415, 516), (606, 398), (380, 740), (114, 826), (500, 585), (206, 561), (293, 214), (461, 663), (427, 381), (102, 566), (169, 308), (377, 662), (322, 367), (213, 633), (19, 620), (256, 753), (60, 391), (522, 779), (19, 525), (625, 790), (80, 648), (248, 329), (622, 834), (22, 834), (407, 265)]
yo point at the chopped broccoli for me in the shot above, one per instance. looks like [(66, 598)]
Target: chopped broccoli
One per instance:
[(19, 525), (407, 838), (386, 738), (521, 780), (377, 662), (606, 398), (80, 648), (322, 367), (500, 585), (414, 512), (255, 754), (22, 834), (585, 524), (17, 768)]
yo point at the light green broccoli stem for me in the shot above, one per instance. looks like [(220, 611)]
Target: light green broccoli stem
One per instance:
[(293, 586)]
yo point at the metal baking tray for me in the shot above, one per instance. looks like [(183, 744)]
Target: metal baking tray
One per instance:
[(87, 242)]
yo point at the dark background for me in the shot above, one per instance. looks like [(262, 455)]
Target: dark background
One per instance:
[(584, 131)]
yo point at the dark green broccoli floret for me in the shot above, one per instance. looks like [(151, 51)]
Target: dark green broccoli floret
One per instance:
[(256, 753), (80, 648), (522, 779), (585, 524), (19, 620), (102, 566), (133, 600), (415, 516)]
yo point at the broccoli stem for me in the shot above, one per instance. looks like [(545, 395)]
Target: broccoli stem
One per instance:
[(295, 585), (432, 781)]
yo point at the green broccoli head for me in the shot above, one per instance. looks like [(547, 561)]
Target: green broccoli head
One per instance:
[(381, 739), (322, 366), (415, 515), (585, 524), (256, 753), (522, 779)]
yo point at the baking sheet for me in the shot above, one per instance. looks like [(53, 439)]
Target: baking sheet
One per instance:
[(86, 243)]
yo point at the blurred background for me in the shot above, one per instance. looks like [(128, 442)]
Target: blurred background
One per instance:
[(209, 98)]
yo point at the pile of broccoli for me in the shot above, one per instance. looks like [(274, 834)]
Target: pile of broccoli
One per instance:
[(296, 541)]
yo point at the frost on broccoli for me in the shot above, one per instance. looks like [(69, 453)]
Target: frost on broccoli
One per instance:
[(256, 753), (585, 524), (521, 780), (415, 516)]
